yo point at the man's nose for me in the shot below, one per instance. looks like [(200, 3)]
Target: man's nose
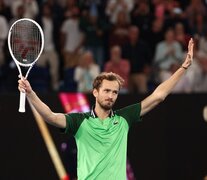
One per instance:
[(111, 95)]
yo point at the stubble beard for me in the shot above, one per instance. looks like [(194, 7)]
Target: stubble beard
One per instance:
[(107, 106)]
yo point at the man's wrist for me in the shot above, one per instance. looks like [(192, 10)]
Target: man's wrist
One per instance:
[(185, 68), (30, 94)]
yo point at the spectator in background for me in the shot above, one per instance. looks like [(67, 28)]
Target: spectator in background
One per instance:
[(30, 6), (156, 34), (118, 34), (3, 36), (71, 39), (49, 55), (181, 36), (141, 17), (86, 72), (57, 12), (5, 10), (200, 26), (195, 80), (118, 65), (93, 29), (168, 54), (93, 5), (20, 11), (69, 8), (176, 15), (159, 9), (202, 44), (139, 56), (195, 7), (115, 6), (201, 57), (10, 68)]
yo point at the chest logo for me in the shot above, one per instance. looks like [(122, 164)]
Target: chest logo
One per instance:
[(116, 122)]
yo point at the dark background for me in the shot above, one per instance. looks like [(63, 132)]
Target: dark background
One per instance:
[(170, 143)]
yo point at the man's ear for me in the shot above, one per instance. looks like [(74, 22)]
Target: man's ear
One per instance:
[(95, 92)]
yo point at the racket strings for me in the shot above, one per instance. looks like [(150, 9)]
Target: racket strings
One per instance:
[(25, 41)]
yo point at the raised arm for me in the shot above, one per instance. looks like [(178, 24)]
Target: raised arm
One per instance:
[(166, 87), (56, 119)]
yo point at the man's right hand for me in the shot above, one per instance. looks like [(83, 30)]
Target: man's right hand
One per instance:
[(56, 119), (24, 86)]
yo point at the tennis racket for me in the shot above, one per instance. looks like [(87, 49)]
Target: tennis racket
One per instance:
[(25, 42)]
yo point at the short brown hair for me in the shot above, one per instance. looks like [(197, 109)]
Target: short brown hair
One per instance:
[(110, 76)]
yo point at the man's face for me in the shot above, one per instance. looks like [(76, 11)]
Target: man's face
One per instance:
[(107, 94)]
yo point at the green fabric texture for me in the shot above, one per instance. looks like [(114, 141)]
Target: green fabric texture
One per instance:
[(102, 144)]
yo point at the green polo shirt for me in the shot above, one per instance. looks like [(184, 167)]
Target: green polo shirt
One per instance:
[(102, 144)]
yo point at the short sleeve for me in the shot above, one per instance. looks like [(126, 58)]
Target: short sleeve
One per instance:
[(130, 113), (73, 122)]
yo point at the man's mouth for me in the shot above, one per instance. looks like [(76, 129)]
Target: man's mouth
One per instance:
[(109, 100)]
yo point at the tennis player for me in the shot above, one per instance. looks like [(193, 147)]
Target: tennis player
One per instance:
[(101, 134)]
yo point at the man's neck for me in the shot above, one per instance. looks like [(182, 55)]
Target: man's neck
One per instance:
[(101, 113)]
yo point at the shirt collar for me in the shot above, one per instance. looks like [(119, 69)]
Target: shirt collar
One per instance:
[(94, 115)]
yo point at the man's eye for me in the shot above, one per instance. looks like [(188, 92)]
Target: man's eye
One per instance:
[(106, 90)]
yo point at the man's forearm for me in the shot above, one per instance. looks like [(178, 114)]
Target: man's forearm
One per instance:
[(56, 119), (166, 87), (41, 107)]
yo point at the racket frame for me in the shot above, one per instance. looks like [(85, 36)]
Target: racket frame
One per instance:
[(18, 64)]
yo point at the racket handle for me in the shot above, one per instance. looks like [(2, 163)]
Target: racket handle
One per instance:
[(22, 102)]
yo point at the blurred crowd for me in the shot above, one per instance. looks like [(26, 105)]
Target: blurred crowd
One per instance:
[(144, 41)]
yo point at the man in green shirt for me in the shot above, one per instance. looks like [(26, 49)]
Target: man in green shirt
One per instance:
[(101, 135)]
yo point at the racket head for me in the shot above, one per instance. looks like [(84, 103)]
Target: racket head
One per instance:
[(25, 41)]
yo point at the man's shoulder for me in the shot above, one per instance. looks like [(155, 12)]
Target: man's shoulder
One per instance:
[(128, 109), (130, 113), (74, 121), (78, 115)]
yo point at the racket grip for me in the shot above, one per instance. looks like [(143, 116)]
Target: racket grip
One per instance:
[(22, 102)]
